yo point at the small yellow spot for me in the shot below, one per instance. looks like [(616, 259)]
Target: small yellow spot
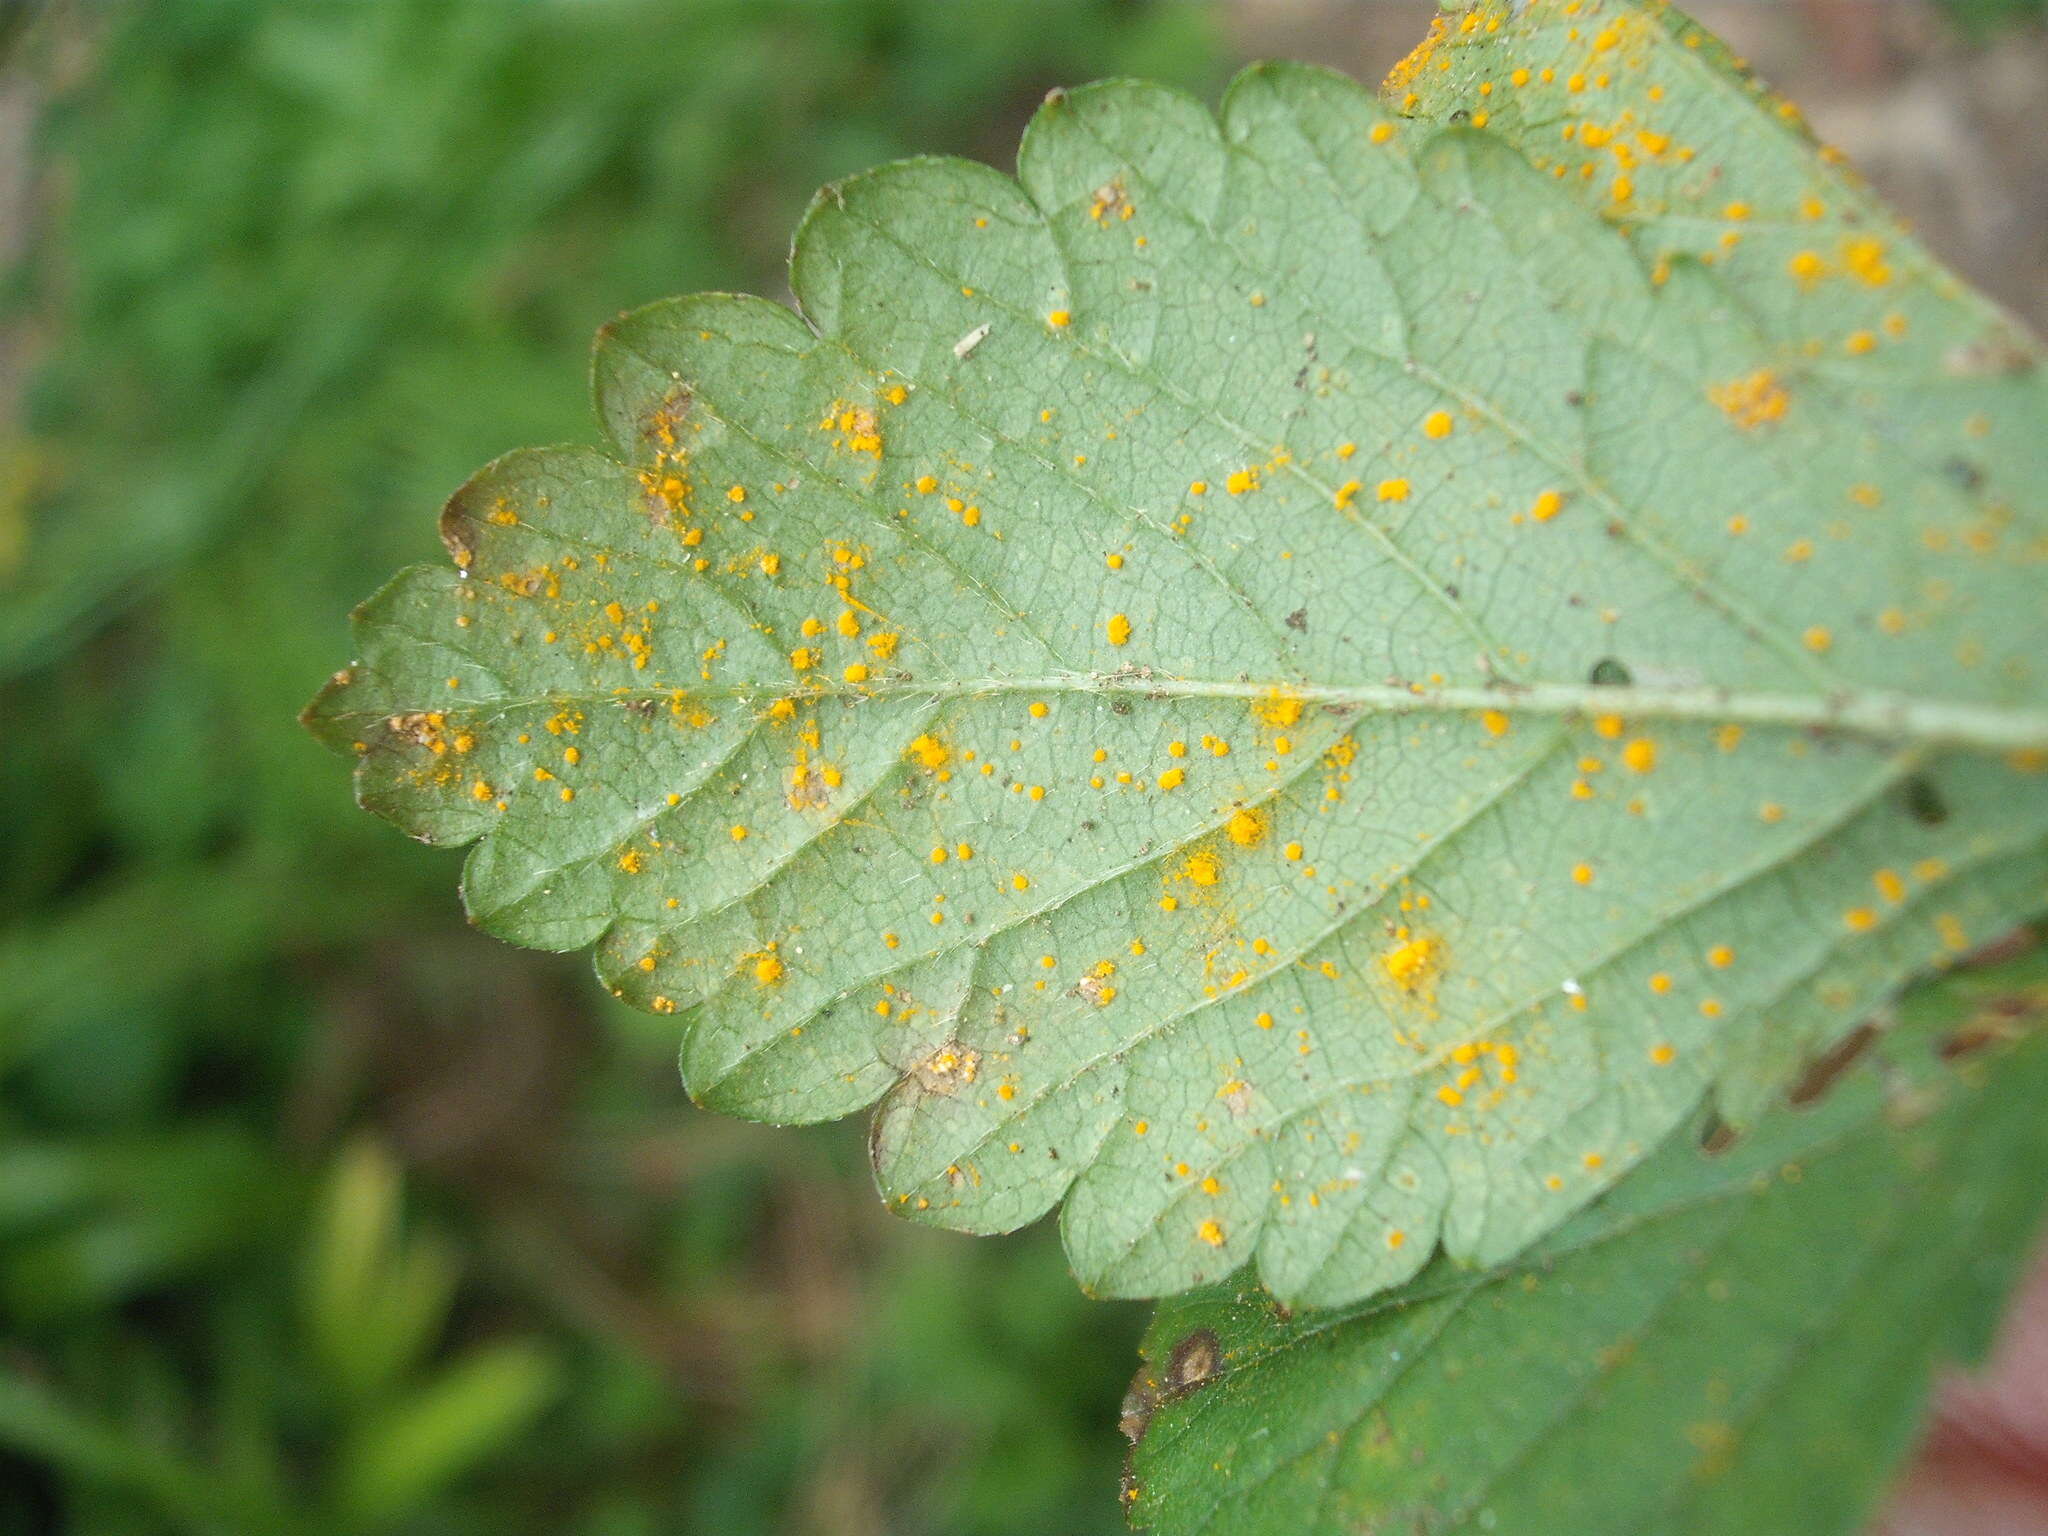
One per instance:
[(1114, 561), (1752, 400), (1662, 1055), (1546, 506), (1059, 319), (1173, 778), (1020, 882), (739, 834), (856, 672), (926, 484), (1211, 1232), (1119, 629), (1247, 828), (1721, 956), (1396, 1238), (1817, 638), (1379, 133), (1410, 964), (737, 493), (767, 969), (1198, 487), (1345, 494), (1660, 983), (1293, 851), (1239, 481), (1392, 490), (1609, 726), (1582, 873), (1437, 424), (1494, 722), (1640, 755), (1859, 919)]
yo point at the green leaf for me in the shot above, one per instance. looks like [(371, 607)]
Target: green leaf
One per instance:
[(1740, 1343), (1287, 682)]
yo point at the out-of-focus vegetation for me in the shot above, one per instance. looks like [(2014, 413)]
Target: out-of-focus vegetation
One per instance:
[(1985, 19), (319, 1213)]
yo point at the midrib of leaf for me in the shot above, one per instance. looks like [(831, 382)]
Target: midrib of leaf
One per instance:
[(1905, 719)]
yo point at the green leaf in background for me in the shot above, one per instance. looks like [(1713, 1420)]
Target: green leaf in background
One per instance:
[(1310, 684), (1733, 1344)]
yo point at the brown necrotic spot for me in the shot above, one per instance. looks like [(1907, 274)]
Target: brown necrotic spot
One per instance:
[(1827, 1069), (1717, 1135), (1193, 1362)]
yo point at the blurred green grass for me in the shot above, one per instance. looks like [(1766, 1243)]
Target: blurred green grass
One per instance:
[(319, 1213)]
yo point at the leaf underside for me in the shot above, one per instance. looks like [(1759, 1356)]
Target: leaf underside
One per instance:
[(1737, 1345), (1309, 684)]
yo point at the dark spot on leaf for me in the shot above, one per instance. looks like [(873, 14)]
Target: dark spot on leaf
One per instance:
[(1195, 1360), (1963, 473), (1924, 801), (1717, 1136), (1574, 397), (1298, 620), (1609, 673), (1826, 1069), (1968, 1040)]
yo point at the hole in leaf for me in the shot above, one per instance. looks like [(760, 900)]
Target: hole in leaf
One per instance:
[(1609, 673)]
